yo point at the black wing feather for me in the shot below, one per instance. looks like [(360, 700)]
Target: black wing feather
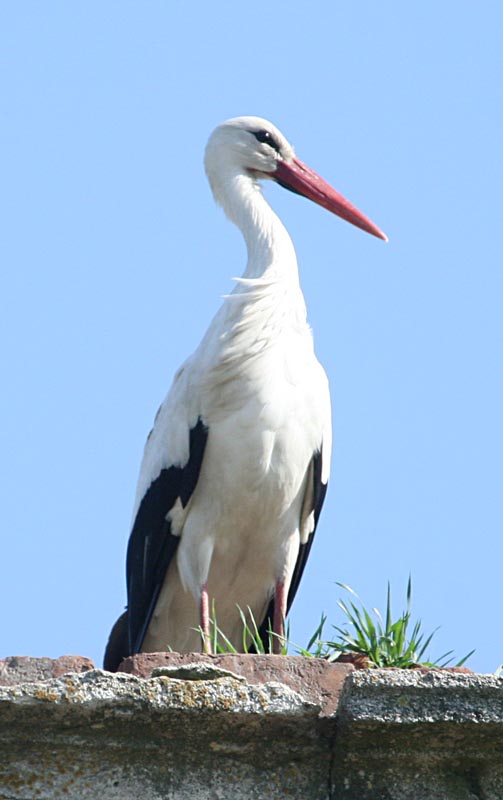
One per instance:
[(117, 645), (319, 492), (151, 544)]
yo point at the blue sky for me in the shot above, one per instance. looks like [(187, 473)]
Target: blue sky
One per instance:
[(114, 258)]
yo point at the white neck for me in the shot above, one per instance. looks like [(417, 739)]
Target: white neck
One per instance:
[(270, 250)]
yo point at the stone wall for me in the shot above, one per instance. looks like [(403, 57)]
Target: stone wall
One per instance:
[(210, 728)]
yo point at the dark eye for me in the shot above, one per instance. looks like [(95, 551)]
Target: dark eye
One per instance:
[(266, 138)]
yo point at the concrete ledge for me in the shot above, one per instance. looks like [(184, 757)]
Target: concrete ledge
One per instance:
[(318, 681), (408, 734), (120, 736), (205, 732)]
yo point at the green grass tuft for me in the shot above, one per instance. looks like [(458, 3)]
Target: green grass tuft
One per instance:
[(250, 641), (385, 642)]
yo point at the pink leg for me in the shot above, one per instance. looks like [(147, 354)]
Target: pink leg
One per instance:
[(278, 623), (204, 617)]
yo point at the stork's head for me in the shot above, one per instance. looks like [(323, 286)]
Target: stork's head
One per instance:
[(255, 147)]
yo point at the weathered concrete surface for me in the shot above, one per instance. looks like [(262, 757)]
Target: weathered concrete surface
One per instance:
[(98, 735), (408, 735), (205, 732), (317, 680)]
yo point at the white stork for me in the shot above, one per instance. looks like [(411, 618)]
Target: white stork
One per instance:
[(235, 470)]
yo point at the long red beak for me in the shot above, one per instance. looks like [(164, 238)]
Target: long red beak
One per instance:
[(299, 178)]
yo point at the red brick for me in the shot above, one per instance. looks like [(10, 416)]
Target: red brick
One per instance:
[(28, 669)]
